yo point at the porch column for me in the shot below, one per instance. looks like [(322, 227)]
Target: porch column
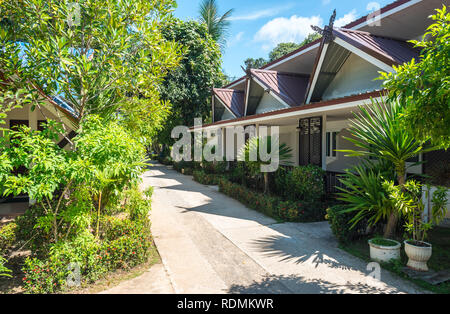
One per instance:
[(324, 142), (223, 142)]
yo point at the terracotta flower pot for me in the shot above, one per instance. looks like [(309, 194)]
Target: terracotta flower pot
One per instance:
[(418, 255)]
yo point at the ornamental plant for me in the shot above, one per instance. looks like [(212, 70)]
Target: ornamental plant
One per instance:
[(408, 200), (378, 133)]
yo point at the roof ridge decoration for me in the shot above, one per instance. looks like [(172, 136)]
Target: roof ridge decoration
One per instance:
[(327, 31)]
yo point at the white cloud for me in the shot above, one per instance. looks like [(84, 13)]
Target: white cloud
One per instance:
[(346, 19), (294, 29), (325, 2), (237, 38), (281, 29), (261, 13)]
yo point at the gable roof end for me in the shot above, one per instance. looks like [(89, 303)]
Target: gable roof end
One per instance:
[(390, 51), (232, 99), (290, 87)]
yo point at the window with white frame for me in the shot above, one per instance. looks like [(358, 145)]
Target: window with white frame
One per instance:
[(331, 144)]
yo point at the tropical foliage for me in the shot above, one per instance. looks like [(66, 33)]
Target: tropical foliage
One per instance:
[(255, 152), (408, 200), (99, 56), (216, 24), (188, 86), (378, 132), (423, 86), (279, 51)]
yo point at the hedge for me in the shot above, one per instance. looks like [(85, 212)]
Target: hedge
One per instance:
[(204, 178), (272, 206)]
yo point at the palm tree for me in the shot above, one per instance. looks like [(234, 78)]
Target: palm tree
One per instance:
[(377, 130), (217, 25), (282, 152)]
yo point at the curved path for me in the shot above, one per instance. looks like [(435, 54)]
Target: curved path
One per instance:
[(210, 243)]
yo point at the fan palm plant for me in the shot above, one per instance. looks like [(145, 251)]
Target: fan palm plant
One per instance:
[(378, 132), (255, 147), (217, 24)]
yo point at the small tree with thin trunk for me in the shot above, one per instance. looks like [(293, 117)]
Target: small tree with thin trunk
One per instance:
[(254, 148), (378, 132)]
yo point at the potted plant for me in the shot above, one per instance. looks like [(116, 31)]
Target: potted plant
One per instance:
[(409, 201), (384, 250)]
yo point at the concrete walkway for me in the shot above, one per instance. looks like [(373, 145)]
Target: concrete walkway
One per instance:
[(210, 243)]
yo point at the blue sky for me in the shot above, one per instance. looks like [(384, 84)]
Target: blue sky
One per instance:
[(258, 25)]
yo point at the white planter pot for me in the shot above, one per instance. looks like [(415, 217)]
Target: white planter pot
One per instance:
[(382, 253), (418, 256)]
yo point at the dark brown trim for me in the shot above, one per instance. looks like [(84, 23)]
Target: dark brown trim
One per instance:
[(292, 53), (383, 10), (304, 107), (65, 141)]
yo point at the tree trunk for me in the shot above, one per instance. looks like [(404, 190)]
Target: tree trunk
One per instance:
[(266, 182), (393, 219), (391, 225)]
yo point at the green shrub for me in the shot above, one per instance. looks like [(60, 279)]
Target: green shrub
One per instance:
[(4, 272), (238, 173), (275, 207), (48, 275), (7, 237), (214, 167), (340, 223), (138, 204), (124, 244), (304, 183), (281, 182), (205, 178)]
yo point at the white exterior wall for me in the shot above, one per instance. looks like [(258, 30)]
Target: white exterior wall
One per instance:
[(33, 117), (355, 77), (341, 162), (268, 103), (227, 115), (289, 136)]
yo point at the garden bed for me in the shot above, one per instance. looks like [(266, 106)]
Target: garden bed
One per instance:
[(440, 259)]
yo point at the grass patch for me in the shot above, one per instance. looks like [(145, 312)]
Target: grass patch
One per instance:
[(383, 242), (439, 237)]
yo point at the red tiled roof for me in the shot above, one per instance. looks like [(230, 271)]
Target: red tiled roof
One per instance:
[(233, 99), (390, 51), (288, 86)]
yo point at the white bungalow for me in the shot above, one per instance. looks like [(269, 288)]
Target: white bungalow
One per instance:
[(311, 93)]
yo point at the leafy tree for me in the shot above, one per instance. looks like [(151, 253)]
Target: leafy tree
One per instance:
[(423, 86), (100, 56), (188, 87), (377, 130), (216, 24), (251, 63), (281, 50), (310, 38)]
